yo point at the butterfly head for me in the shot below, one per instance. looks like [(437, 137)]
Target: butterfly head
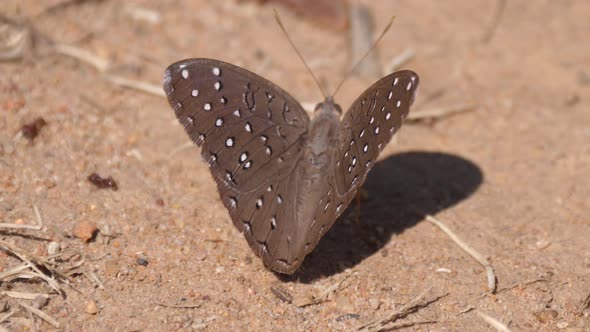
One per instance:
[(328, 106)]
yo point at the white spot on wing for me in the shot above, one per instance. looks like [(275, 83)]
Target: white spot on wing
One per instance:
[(195, 93), (184, 73), (229, 142), (207, 107), (216, 71)]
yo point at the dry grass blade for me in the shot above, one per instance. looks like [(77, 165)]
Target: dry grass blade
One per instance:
[(137, 85), (416, 304), (14, 271), (8, 315), (32, 227), (493, 322), (407, 325), (400, 60), (489, 34), (24, 295), (32, 321), (50, 281), (472, 252), (361, 39), (99, 63), (440, 112), (179, 306), (40, 314)]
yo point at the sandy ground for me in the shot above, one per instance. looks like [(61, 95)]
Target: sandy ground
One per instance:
[(511, 178)]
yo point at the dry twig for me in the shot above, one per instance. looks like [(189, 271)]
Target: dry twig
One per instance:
[(409, 308), (476, 255)]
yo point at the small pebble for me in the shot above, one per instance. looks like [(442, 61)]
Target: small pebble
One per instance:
[(545, 316), (85, 230), (53, 248), (142, 261), (303, 300), (562, 325), (91, 307), (374, 303), (219, 269)]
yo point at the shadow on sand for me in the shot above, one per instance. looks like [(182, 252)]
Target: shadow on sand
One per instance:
[(428, 181)]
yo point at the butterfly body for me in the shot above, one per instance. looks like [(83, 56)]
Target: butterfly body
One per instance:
[(284, 178)]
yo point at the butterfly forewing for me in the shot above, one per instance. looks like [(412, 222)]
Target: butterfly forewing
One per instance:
[(250, 131)]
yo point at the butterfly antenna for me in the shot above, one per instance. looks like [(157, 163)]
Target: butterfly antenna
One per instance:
[(278, 19), (364, 56)]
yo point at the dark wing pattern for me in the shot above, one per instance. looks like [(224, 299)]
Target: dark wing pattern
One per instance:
[(365, 130), (250, 131)]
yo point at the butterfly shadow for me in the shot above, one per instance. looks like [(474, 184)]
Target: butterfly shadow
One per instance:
[(395, 189)]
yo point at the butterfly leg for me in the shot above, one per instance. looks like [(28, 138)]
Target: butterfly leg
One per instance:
[(357, 218)]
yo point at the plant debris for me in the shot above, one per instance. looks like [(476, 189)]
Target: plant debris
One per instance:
[(103, 183), (32, 129)]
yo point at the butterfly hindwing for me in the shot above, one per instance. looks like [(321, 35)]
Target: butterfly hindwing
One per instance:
[(367, 127)]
